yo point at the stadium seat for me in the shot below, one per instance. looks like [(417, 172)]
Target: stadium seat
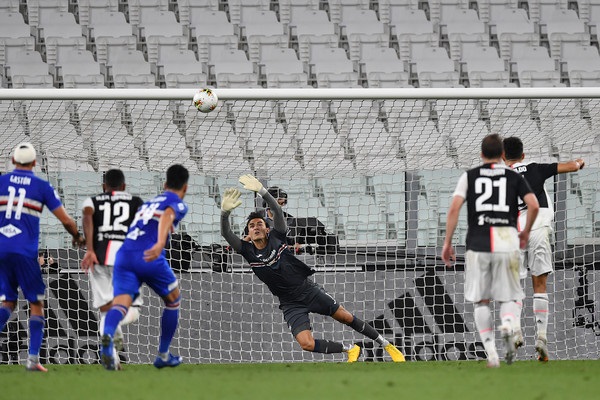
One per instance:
[(281, 68), (535, 68), (110, 32), (181, 69), (77, 68), (514, 31), (313, 30), (90, 11), (14, 35), (338, 9), (540, 11), (27, 70), (288, 9), (439, 8), (362, 30), (583, 66), (262, 30), (435, 69), (390, 8), (213, 33), (187, 8), (412, 31), (238, 9), (137, 8), (332, 68), (484, 68), (464, 29), (486, 9), (60, 32), (130, 69), (564, 30), (160, 30), (383, 68), (9, 6), (231, 68), (40, 12)]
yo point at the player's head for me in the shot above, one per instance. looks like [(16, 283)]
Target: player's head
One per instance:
[(24, 156), (177, 178), (257, 226), (113, 180), (279, 194), (513, 149), (491, 147)]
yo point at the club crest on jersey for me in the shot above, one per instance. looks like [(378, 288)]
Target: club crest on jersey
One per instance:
[(10, 230)]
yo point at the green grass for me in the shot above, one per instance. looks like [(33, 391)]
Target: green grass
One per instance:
[(412, 380)]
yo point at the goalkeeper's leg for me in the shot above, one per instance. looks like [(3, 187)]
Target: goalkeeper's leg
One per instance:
[(308, 343)]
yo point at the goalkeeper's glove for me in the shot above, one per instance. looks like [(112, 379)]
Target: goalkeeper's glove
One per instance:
[(251, 183), (231, 199)]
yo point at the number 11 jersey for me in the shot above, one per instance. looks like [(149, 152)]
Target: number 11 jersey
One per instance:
[(492, 193)]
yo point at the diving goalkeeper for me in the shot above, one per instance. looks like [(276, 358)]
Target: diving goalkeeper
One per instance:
[(287, 277)]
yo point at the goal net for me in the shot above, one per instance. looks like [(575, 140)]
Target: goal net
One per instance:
[(368, 176)]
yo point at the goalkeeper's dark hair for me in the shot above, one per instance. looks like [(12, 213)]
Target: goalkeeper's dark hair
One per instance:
[(254, 215), (177, 176), (113, 178), (513, 148), (491, 146)]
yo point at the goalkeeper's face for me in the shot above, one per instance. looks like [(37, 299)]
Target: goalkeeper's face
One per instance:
[(257, 229)]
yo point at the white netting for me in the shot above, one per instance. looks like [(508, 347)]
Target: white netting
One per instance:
[(378, 174)]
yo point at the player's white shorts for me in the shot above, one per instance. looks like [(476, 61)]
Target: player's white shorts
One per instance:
[(537, 256), (102, 287), (492, 276)]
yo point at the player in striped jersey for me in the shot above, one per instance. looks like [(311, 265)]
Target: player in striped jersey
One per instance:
[(537, 256), (492, 193), (141, 259), (286, 276), (106, 219), (23, 197)]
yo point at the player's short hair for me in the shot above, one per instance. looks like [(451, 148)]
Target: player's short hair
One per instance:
[(491, 146), (113, 178), (254, 215), (513, 148), (177, 176)]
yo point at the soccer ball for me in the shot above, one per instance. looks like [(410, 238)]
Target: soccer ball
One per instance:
[(205, 100)]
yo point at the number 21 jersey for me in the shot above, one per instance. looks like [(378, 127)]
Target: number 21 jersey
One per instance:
[(492, 194)]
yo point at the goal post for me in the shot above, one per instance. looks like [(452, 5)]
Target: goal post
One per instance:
[(368, 175)]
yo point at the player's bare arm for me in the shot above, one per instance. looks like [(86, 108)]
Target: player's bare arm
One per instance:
[(448, 254), (89, 259), (165, 224), (70, 226), (570, 166)]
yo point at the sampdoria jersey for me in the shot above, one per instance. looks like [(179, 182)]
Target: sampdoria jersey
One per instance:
[(276, 266), (113, 213), (143, 231), (492, 194), (22, 199), (536, 175)]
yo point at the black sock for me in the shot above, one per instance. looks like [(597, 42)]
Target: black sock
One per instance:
[(361, 326), (327, 347)]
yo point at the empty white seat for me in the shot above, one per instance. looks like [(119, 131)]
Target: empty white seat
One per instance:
[(338, 9), (282, 68), (110, 32), (362, 29), (313, 29), (583, 66), (464, 29), (383, 68), (26, 69), (413, 32), (238, 9), (565, 29), (262, 30), (88, 9), (10, 6), (332, 68), (79, 69), (160, 29), (137, 8), (485, 68), (438, 8), (389, 8), (213, 32), (514, 31), (188, 7), (535, 68), (14, 35), (435, 69), (181, 69), (42, 11), (288, 8), (541, 10), (487, 8), (232, 69), (59, 32), (130, 69)]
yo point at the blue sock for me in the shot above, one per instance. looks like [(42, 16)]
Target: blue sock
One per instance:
[(4, 316), (36, 334), (113, 317), (168, 325)]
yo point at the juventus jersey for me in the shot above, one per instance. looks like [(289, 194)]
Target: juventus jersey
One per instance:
[(113, 213), (536, 175), (492, 193)]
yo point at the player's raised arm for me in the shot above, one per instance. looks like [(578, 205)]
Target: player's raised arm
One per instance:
[(165, 226), (251, 183), (570, 166), (231, 200), (70, 225)]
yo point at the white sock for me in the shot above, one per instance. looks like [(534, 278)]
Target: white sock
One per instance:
[(347, 347), (133, 314), (509, 314), (102, 320), (118, 333), (382, 341), (483, 322), (540, 311)]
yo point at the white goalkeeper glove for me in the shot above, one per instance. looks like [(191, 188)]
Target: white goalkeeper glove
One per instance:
[(251, 183), (231, 199)]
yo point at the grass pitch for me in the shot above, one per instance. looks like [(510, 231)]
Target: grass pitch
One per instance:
[(412, 380)]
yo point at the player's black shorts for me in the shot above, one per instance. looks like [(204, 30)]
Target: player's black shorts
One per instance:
[(312, 300)]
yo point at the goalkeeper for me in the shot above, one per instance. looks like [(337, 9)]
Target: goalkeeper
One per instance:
[(287, 277)]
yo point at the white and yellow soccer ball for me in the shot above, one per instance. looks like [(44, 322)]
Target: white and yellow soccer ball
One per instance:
[(205, 100)]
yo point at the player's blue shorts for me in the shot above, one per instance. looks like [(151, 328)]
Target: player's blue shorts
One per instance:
[(17, 270), (131, 271)]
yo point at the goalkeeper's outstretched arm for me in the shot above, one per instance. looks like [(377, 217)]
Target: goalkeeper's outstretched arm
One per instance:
[(251, 183), (231, 199)]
